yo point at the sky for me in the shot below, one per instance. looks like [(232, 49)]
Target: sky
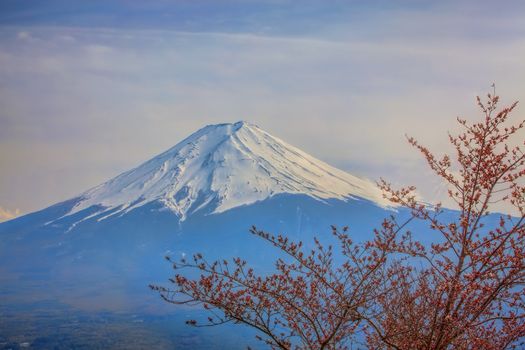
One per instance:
[(89, 89)]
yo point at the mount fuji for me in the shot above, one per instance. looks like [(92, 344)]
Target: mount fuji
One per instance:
[(98, 251), (221, 167)]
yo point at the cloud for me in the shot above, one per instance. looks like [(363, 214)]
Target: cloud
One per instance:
[(83, 104), (6, 214), (23, 35)]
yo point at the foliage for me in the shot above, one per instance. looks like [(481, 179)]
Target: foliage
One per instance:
[(469, 294), (309, 300)]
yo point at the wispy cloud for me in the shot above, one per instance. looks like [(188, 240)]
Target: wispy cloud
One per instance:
[(83, 104)]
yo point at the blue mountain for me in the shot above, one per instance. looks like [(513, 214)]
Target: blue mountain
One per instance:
[(93, 256)]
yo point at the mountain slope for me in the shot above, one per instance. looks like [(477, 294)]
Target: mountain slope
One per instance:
[(97, 253), (120, 230), (221, 167)]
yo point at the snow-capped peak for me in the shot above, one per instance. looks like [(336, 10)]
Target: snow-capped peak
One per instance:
[(224, 166)]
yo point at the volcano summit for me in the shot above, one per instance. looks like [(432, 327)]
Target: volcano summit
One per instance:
[(221, 167)]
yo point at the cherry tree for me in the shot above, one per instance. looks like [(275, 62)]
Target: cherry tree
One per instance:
[(467, 292), (310, 302)]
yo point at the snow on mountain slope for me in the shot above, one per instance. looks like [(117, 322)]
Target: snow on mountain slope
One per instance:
[(221, 167)]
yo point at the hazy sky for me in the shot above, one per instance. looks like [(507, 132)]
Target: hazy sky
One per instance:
[(89, 89)]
